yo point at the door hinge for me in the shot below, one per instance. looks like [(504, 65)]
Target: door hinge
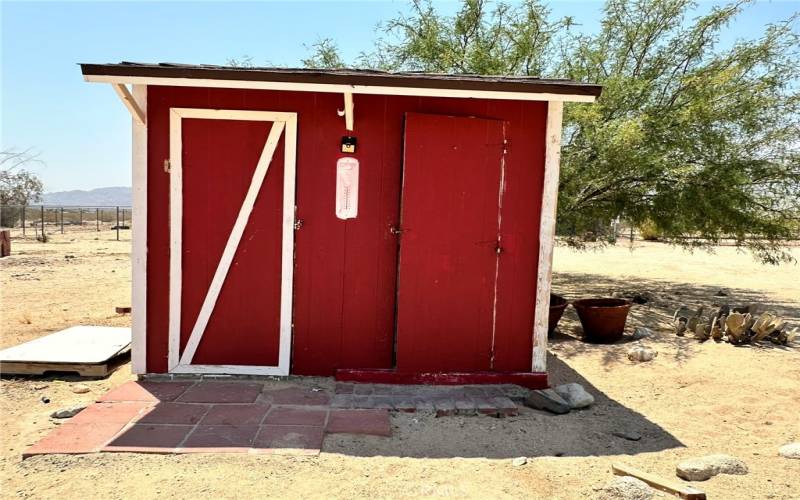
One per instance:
[(167, 166)]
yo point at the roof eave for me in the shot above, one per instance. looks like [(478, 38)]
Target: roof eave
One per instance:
[(380, 85)]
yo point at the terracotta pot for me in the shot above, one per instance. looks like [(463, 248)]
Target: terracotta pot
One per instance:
[(557, 306), (603, 320)]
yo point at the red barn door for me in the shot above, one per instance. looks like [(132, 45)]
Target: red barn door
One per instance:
[(450, 219), (232, 182)]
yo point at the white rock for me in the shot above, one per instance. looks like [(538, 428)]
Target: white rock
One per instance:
[(519, 461), (575, 395), (626, 488), (641, 332), (642, 353), (791, 450), (80, 389), (702, 468), (68, 412)]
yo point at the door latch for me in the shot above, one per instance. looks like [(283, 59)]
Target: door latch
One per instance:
[(395, 230), (498, 249), (298, 224), (167, 165)]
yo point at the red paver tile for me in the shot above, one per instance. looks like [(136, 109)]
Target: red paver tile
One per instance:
[(296, 416), (373, 422), (174, 413), (221, 392), (214, 438), (120, 412), (147, 391), (150, 438), (289, 439), (236, 414), (297, 396), (75, 438)]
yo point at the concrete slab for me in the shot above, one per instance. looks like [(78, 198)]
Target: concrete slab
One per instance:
[(85, 350)]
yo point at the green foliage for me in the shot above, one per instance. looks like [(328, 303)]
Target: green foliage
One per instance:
[(649, 231), (702, 143), (325, 54), (18, 186)]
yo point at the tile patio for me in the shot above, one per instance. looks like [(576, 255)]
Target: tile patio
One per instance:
[(253, 417)]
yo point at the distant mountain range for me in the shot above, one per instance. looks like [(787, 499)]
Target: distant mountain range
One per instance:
[(100, 197)]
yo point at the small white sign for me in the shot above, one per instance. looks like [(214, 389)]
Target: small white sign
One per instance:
[(346, 188)]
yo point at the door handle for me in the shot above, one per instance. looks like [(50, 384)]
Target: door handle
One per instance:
[(395, 230)]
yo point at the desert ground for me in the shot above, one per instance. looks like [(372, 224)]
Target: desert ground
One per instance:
[(693, 399)]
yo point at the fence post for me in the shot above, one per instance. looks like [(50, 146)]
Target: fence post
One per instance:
[(117, 223), (80, 217), (42, 223), (97, 218), (62, 220), (23, 220)]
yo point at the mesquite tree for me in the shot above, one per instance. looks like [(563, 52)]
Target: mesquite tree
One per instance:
[(698, 142), (18, 186)]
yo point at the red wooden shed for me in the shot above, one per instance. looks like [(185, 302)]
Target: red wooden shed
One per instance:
[(393, 227)]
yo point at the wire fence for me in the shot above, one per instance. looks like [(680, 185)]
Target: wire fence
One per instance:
[(39, 221)]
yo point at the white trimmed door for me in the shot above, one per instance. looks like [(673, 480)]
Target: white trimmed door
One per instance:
[(232, 201)]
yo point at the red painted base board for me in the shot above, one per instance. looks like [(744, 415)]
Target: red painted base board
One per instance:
[(525, 379)]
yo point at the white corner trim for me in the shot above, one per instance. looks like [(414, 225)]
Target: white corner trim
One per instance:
[(339, 89), (139, 238), (232, 244), (175, 236), (135, 107), (547, 231), (283, 123)]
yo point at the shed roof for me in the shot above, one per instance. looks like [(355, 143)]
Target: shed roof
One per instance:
[(337, 80)]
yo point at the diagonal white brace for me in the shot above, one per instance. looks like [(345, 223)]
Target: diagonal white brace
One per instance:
[(233, 243), (131, 103)]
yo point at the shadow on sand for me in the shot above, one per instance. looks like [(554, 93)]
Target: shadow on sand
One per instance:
[(533, 433)]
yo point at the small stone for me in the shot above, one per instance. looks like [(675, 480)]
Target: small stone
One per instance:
[(68, 412), (39, 387), (44, 399), (641, 332), (519, 461), (791, 450), (629, 435), (575, 395), (80, 389), (626, 488), (642, 353), (702, 468), (721, 293), (547, 399)]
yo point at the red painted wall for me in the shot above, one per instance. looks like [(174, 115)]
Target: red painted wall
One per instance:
[(346, 271)]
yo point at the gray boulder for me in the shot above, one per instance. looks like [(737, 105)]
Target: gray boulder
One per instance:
[(640, 332), (702, 468), (626, 488), (642, 353), (69, 411), (548, 400), (575, 395)]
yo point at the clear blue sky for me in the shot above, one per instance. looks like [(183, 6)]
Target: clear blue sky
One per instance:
[(82, 130)]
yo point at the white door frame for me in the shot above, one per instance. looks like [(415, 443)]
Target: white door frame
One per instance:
[(283, 123)]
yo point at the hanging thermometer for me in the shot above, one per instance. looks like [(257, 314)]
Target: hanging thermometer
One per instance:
[(346, 188)]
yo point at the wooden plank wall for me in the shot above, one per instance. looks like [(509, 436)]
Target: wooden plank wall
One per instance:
[(346, 271)]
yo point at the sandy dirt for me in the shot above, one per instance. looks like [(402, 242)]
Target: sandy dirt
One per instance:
[(693, 399)]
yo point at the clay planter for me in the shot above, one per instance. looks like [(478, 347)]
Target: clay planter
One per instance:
[(557, 306), (603, 320)]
